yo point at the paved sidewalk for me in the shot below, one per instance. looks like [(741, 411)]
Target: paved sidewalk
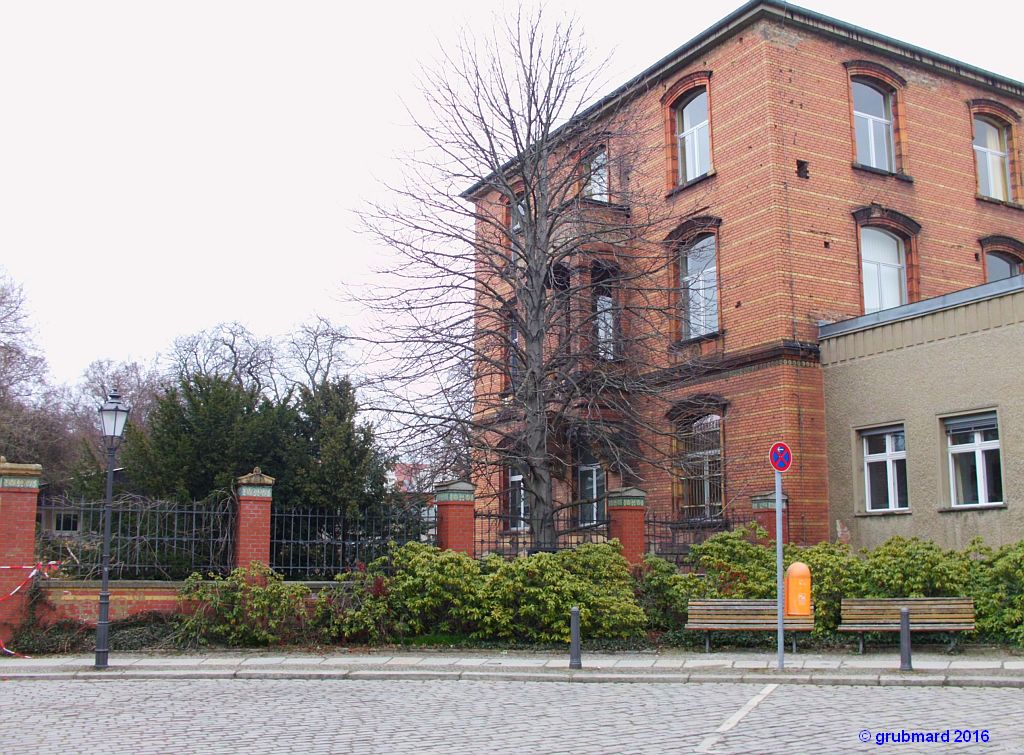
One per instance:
[(975, 669)]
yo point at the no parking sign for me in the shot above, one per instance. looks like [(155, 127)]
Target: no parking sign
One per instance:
[(780, 456)]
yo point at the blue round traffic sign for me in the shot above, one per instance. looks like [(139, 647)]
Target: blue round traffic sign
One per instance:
[(780, 457)]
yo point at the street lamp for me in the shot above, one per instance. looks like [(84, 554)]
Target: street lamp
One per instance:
[(113, 416)]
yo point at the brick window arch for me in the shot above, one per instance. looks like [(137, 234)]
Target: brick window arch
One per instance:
[(686, 110), (879, 132), (889, 257), (1002, 257), (997, 166)]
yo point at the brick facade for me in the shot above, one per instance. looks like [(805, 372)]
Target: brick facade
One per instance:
[(788, 201)]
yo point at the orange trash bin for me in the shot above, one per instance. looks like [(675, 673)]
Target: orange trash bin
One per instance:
[(798, 589)]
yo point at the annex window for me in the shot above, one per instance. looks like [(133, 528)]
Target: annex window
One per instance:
[(975, 466), (590, 489), (698, 287), (885, 469), (595, 175), (605, 317), (873, 124), (992, 157), (693, 138), (884, 267), (697, 485), (518, 507)]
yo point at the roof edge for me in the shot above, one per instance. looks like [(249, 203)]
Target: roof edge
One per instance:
[(756, 9)]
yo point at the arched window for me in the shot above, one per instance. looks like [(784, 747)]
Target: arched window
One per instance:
[(698, 286), (999, 265), (697, 489), (992, 157), (884, 265), (873, 124), (693, 140)]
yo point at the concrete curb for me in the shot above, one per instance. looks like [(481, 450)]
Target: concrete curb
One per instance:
[(602, 676)]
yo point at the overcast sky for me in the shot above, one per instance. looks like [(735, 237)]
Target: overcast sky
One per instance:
[(168, 166)]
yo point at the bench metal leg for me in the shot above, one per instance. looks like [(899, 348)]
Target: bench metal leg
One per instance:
[(793, 640), (860, 638), (707, 642)]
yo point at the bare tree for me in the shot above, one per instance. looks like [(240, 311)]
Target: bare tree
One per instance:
[(22, 368), (526, 310)]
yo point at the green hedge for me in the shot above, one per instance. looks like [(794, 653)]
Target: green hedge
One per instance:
[(418, 591)]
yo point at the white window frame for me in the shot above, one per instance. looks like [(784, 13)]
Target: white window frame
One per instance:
[(693, 135), (518, 509), (591, 505), (890, 149), (890, 456), (978, 445), (991, 156), (701, 311), (517, 214), (604, 320), (595, 186), (875, 267)]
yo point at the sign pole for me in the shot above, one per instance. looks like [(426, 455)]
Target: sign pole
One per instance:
[(778, 569), (781, 458)]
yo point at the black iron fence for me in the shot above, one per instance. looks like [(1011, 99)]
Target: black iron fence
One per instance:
[(317, 544), (150, 539), (673, 537), (510, 536)]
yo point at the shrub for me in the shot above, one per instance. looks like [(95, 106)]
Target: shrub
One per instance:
[(913, 568), (529, 599), (736, 564), (664, 593), (997, 586), (355, 608), (250, 607), (433, 591)]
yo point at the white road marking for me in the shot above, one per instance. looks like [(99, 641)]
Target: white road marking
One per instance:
[(712, 739)]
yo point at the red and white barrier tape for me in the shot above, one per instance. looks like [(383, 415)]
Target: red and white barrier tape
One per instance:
[(38, 569)]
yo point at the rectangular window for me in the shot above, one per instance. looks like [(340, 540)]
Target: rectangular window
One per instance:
[(605, 325), (518, 508), (517, 214), (975, 465), (595, 178), (591, 487), (514, 357), (885, 469)]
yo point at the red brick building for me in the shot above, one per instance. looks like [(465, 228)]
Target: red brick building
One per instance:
[(819, 171)]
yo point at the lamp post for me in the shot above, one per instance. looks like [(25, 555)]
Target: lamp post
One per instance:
[(113, 416)]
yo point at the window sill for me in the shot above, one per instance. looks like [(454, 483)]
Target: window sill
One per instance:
[(975, 507), (683, 343), (1003, 202), (683, 187), (879, 172), (884, 512)]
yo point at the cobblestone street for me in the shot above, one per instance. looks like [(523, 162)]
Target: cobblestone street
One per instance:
[(341, 716)]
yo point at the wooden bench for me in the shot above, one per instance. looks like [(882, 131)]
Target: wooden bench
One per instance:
[(725, 615), (926, 615)]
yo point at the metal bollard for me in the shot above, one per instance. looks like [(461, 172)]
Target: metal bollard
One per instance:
[(575, 656), (905, 640)]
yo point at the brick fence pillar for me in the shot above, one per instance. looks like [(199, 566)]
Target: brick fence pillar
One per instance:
[(19, 490), (456, 524), (764, 513), (626, 510), (252, 522)]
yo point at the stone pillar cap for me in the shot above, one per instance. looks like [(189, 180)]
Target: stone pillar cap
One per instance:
[(256, 477), (455, 485), (627, 493), (10, 469)]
